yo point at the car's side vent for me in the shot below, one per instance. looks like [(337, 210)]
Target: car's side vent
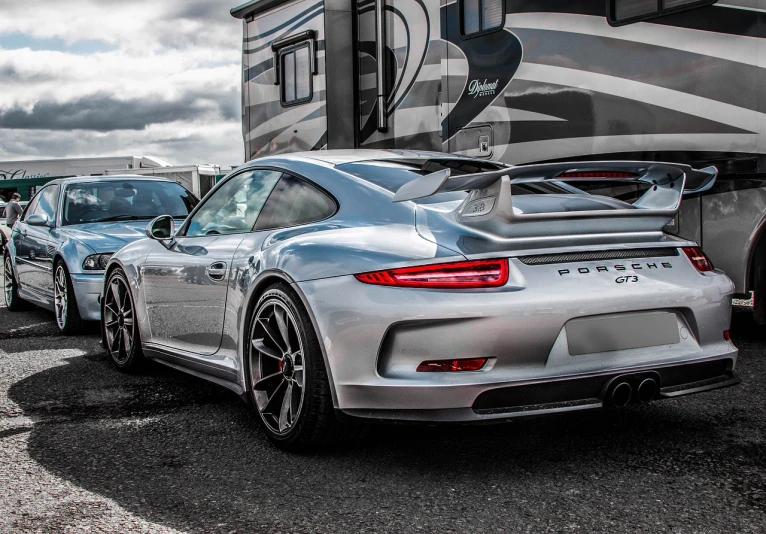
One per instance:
[(636, 253)]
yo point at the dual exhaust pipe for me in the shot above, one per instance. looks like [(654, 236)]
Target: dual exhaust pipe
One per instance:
[(623, 389)]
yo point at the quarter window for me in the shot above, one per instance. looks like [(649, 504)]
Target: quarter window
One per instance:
[(295, 74), (293, 202), (235, 206), (627, 11), (479, 16)]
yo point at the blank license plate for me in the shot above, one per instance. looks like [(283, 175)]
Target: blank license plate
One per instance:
[(620, 332)]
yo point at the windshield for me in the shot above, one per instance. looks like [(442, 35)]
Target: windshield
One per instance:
[(126, 200)]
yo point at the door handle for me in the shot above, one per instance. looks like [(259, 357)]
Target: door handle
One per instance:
[(217, 271)]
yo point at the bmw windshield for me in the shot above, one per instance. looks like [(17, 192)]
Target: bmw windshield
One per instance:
[(124, 200)]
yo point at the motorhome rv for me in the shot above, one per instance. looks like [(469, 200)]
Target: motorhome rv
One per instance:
[(529, 81)]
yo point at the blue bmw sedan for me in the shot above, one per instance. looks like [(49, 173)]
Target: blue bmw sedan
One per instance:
[(57, 251)]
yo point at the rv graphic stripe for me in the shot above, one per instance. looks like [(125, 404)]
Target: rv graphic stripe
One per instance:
[(267, 33), (712, 76), (713, 18)]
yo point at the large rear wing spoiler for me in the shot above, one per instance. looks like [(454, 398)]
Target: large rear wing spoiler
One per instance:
[(669, 180), (489, 205)]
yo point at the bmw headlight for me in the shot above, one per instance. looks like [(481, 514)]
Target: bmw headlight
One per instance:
[(96, 262)]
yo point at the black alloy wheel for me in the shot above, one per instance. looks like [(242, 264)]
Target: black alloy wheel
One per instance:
[(118, 319), (287, 380)]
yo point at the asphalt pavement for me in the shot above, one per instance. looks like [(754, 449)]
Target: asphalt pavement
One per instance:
[(86, 448)]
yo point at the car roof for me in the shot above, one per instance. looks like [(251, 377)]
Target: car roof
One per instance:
[(110, 178), (340, 157)]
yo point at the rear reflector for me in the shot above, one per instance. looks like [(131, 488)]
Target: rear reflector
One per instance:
[(726, 335), (701, 262), (452, 366), (597, 174), (458, 275)]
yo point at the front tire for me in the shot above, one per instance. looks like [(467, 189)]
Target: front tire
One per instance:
[(11, 289), (65, 302), (118, 323), (287, 380)]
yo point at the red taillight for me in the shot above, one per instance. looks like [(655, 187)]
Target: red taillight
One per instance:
[(458, 275), (726, 335), (452, 366), (698, 259), (597, 174)]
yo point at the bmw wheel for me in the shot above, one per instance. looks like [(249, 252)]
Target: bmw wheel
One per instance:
[(11, 288), (118, 322), (65, 303), (288, 383)]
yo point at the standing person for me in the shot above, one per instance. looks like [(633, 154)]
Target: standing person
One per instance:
[(13, 210)]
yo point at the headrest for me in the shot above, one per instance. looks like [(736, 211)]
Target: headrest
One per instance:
[(125, 192)]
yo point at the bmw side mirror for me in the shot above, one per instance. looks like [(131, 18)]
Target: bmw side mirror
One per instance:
[(161, 228), (38, 219)]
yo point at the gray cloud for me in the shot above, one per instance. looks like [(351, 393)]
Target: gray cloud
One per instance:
[(201, 10), (10, 74), (226, 149), (104, 113), (203, 124)]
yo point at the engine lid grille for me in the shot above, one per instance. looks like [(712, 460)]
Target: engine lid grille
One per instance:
[(568, 257)]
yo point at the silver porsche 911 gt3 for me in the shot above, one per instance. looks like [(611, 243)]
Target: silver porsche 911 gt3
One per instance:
[(335, 286)]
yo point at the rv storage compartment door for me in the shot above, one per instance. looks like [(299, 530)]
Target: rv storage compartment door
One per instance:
[(475, 142)]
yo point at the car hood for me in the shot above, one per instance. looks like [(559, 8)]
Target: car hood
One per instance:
[(107, 237)]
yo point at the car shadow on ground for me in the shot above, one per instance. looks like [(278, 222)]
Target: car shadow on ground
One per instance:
[(189, 455), (34, 322)]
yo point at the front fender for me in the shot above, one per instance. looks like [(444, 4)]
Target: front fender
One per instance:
[(73, 252)]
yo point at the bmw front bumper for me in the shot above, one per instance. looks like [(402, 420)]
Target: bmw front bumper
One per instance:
[(87, 289)]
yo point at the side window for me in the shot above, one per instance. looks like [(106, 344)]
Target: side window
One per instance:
[(627, 11), (481, 16), (295, 74), (30, 207), (49, 201), (234, 208), (293, 202), (46, 202)]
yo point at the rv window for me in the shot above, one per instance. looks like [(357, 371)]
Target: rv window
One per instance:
[(480, 16), (627, 11), (295, 74)]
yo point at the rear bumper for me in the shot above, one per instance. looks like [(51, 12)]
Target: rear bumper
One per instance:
[(87, 288), (374, 337), (568, 394)]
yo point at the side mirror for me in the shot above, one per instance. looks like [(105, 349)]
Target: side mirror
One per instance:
[(37, 219), (162, 227)]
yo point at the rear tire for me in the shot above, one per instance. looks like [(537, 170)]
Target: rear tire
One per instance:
[(287, 381), (13, 302), (65, 302), (119, 328)]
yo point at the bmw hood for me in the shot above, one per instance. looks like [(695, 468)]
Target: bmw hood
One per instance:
[(107, 237)]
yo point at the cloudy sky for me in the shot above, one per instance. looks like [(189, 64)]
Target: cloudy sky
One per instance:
[(120, 77)]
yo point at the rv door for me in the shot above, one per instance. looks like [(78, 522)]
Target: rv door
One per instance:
[(482, 57), (400, 74)]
